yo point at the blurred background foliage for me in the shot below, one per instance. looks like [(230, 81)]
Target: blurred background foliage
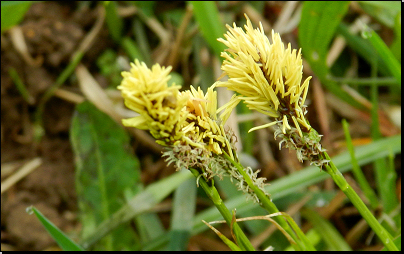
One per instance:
[(128, 199)]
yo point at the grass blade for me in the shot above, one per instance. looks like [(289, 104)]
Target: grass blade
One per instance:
[(298, 181), (210, 24), (318, 25), (360, 177), (142, 202), (114, 22), (381, 49), (61, 239), (182, 215), (331, 236)]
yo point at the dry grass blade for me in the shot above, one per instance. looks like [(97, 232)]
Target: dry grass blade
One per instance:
[(24, 171)]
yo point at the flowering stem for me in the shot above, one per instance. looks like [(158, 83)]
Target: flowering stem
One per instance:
[(339, 179), (270, 206), (213, 194)]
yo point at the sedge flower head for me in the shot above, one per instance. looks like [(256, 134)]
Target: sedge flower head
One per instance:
[(204, 128), (186, 122), (173, 117), (267, 76), (159, 105)]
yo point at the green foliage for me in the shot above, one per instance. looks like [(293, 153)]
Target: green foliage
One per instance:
[(317, 27), (12, 12), (109, 67), (210, 24), (61, 239), (105, 169), (329, 233), (182, 215), (384, 11), (114, 22), (108, 183)]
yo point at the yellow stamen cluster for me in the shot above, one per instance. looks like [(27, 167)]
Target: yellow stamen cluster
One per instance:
[(160, 106), (266, 75), (204, 128), (171, 116)]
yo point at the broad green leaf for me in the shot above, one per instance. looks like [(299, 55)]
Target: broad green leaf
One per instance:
[(64, 242), (105, 169), (12, 12)]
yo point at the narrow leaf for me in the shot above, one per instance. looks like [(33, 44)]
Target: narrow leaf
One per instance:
[(61, 239)]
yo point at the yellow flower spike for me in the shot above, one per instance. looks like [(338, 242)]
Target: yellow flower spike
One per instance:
[(267, 75), (160, 107), (202, 126)]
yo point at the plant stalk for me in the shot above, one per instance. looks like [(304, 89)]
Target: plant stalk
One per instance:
[(268, 205), (339, 179), (213, 194)]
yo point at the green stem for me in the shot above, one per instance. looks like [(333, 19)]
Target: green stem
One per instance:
[(270, 206), (339, 179), (213, 194)]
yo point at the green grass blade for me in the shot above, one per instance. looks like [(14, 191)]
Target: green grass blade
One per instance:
[(141, 41), (319, 21), (301, 236), (114, 22), (331, 236), (183, 211), (383, 11), (64, 242), (360, 177), (225, 240), (397, 242), (386, 188), (298, 181), (204, 71), (132, 49), (210, 24), (141, 203), (20, 86), (362, 47), (395, 46), (381, 49)]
